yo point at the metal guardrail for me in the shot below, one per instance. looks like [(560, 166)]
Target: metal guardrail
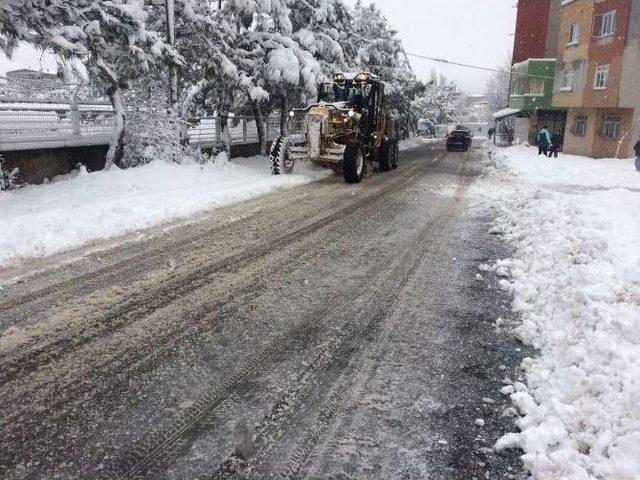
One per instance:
[(35, 124)]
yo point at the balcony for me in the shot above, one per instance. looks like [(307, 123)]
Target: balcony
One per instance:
[(532, 84)]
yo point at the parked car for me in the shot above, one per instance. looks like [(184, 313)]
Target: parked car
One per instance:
[(459, 140)]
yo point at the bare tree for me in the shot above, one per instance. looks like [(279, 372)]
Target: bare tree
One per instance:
[(498, 89)]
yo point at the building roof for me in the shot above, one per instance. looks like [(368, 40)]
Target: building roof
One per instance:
[(31, 71), (506, 113), (23, 70)]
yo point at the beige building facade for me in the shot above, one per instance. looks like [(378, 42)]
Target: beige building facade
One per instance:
[(598, 76)]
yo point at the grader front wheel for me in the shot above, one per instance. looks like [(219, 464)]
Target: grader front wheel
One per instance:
[(353, 163), (280, 161)]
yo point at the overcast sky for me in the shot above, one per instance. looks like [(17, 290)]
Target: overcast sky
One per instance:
[(478, 32), (467, 31), (26, 57)]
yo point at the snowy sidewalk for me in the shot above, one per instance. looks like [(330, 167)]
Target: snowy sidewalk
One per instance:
[(575, 225), (80, 207)]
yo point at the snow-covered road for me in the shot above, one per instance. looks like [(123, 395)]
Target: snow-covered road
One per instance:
[(325, 331), (575, 225)]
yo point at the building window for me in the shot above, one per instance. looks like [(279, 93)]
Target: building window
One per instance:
[(605, 25), (536, 86), (519, 86), (566, 85), (601, 78), (574, 34), (579, 128), (611, 127)]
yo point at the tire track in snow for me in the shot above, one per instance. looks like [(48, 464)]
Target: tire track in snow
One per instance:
[(60, 389), (345, 356), (353, 381), (28, 359)]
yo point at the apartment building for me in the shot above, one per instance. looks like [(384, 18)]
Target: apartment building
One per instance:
[(533, 71), (536, 30), (598, 76)]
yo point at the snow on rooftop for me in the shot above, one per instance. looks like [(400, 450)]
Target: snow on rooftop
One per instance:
[(505, 113)]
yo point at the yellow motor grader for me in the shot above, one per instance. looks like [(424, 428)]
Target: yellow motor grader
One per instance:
[(348, 129)]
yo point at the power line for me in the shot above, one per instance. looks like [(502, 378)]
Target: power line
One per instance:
[(477, 67)]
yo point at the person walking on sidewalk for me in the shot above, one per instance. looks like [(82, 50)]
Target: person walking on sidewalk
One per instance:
[(544, 140), (556, 145), (636, 149)]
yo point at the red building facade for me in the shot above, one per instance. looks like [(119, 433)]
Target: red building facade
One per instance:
[(532, 26)]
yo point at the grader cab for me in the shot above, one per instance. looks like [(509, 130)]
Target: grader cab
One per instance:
[(348, 129)]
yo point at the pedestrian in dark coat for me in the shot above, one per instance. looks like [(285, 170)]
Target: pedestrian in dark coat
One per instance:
[(636, 149), (544, 140), (556, 145)]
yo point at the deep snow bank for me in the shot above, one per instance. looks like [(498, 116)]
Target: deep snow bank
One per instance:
[(575, 226), (76, 208)]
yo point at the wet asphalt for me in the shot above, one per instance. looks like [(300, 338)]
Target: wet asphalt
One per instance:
[(328, 331)]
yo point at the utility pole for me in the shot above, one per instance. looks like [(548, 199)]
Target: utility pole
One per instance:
[(171, 40)]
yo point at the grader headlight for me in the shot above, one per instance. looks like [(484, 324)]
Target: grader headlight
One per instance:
[(338, 77)]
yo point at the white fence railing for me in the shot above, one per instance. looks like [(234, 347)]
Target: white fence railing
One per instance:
[(34, 124), (27, 124), (207, 132)]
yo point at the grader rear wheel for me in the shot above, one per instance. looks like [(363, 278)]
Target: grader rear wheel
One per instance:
[(385, 158), (395, 154)]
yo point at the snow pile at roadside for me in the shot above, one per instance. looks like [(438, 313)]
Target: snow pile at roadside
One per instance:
[(568, 170), (73, 209), (575, 226)]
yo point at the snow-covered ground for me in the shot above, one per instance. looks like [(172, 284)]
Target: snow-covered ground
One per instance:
[(80, 207), (574, 224)]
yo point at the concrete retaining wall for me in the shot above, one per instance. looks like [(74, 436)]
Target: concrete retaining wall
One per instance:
[(34, 166)]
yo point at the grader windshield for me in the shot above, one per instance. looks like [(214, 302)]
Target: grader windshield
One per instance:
[(354, 91)]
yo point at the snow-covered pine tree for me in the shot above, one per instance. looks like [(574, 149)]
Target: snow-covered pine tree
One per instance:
[(111, 37), (46, 25), (317, 28), (120, 48), (376, 47), (269, 60), (205, 38), (439, 102)]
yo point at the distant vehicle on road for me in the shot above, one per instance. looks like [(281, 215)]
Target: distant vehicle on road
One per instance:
[(426, 128), (459, 140)]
